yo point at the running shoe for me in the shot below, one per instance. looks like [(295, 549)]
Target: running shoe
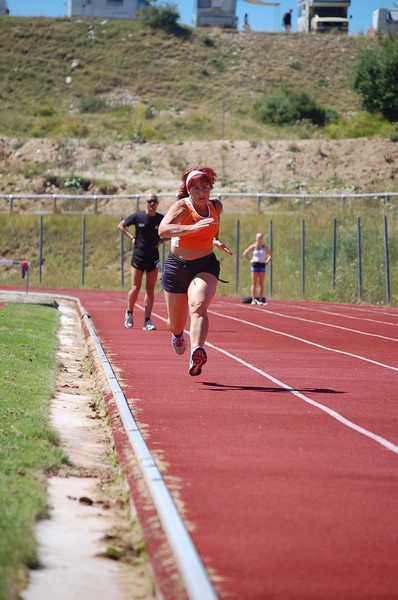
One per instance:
[(198, 360), (179, 344), (128, 319), (148, 325)]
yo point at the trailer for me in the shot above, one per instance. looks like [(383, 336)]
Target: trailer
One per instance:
[(385, 20), (322, 16), (115, 9)]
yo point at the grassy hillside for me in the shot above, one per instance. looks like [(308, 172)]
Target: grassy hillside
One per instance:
[(119, 80)]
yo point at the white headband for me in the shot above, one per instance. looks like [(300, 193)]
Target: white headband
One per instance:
[(192, 174)]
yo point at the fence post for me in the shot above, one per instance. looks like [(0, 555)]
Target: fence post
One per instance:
[(302, 257), (121, 260), (83, 249), (258, 202), (334, 253), (10, 203), (359, 259), (237, 255), (54, 203), (387, 259), (40, 247), (270, 243)]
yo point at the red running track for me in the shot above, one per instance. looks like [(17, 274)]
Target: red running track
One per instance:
[(284, 452)]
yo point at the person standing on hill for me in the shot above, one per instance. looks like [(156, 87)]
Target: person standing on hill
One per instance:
[(246, 25), (145, 257), (191, 270), (258, 255), (287, 21)]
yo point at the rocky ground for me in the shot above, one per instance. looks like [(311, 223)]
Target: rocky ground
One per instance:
[(314, 166)]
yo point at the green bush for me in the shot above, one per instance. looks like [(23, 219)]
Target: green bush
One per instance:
[(164, 17), (93, 104), (375, 78), (284, 106), (362, 124)]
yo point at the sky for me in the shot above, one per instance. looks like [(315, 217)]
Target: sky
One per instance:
[(261, 18)]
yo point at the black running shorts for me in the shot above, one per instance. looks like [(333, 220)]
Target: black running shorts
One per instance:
[(178, 273), (145, 263)]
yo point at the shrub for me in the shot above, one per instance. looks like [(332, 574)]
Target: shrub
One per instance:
[(362, 124), (93, 104), (375, 78), (284, 106), (164, 17)]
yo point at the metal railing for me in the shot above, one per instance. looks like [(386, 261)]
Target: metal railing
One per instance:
[(25, 269), (60, 203)]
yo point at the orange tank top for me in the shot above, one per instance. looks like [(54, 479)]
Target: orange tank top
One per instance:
[(197, 240)]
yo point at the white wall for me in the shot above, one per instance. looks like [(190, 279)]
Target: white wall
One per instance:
[(112, 9)]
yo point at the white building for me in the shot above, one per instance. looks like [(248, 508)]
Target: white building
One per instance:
[(385, 20), (111, 9), (215, 13)]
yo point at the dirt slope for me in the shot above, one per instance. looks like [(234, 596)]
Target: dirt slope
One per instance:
[(340, 166)]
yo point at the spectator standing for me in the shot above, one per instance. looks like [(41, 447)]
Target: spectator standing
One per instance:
[(258, 255), (246, 25), (287, 21), (145, 257)]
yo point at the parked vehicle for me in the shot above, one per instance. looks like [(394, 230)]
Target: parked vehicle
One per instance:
[(320, 16), (384, 20)]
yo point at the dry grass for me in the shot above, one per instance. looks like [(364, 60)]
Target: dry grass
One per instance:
[(157, 86)]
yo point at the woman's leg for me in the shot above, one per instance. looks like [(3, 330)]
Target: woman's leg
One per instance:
[(136, 280), (200, 292), (261, 285), (177, 310), (151, 279), (254, 284)]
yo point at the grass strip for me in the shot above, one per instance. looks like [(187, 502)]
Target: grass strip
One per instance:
[(29, 447)]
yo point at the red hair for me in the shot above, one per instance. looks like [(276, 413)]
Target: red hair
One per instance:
[(205, 175)]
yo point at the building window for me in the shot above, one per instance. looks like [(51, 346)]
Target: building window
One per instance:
[(115, 2), (204, 3)]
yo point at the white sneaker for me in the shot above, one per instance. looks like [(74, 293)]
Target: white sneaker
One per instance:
[(179, 344), (148, 325), (128, 319), (254, 301), (198, 360)]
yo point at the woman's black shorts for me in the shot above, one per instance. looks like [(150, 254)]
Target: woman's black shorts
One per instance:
[(178, 273), (145, 263)]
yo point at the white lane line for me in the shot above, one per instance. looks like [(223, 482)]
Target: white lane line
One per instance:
[(306, 320), (294, 337), (344, 316), (332, 413)]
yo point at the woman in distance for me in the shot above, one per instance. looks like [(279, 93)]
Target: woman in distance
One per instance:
[(258, 255)]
